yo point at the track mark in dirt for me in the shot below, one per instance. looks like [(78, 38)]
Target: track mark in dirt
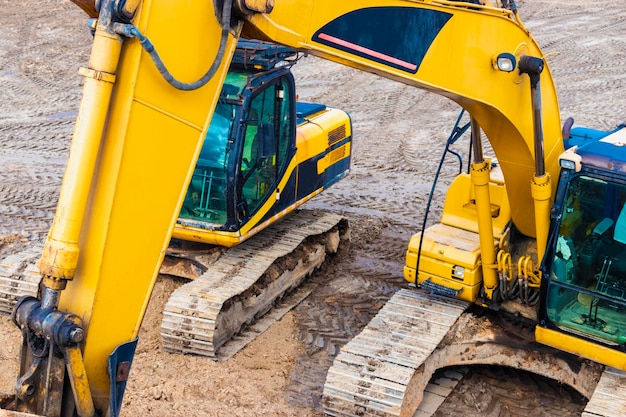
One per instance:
[(327, 320), (350, 291)]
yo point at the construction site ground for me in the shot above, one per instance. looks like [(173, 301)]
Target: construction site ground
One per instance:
[(399, 134)]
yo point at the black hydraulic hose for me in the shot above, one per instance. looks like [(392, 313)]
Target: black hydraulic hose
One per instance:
[(514, 291), (534, 298), (456, 133), (132, 31), (533, 66)]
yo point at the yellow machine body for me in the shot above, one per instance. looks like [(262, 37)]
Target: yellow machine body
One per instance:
[(133, 199), (450, 250), (321, 158)]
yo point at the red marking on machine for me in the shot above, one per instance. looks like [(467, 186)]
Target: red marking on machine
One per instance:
[(370, 52)]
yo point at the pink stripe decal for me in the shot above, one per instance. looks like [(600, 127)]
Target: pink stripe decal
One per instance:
[(367, 51)]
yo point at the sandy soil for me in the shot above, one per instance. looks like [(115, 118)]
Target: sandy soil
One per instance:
[(399, 135)]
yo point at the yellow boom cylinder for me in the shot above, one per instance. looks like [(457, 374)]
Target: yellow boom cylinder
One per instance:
[(541, 190), (480, 179), (60, 253)]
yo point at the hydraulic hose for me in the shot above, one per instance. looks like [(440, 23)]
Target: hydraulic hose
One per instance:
[(131, 31), (455, 135)]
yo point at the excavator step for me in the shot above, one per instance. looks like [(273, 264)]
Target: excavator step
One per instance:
[(246, 282), (609, 397), (19, 276), (373, 374)]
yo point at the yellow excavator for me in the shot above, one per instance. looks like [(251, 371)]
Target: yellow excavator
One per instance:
[(533, 235), (264, 155)]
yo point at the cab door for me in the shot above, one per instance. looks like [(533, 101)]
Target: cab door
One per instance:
[(269, 135)]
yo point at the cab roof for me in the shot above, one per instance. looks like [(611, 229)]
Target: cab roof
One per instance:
[(600, 149)]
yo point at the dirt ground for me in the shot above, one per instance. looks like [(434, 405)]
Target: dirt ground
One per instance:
[(399, 133)]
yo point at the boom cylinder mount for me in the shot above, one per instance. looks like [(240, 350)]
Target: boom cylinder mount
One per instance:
[(541, 186)]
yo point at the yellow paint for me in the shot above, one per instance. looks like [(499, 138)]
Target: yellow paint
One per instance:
[(541, 188), (580, 347), (79, 382), (60, 254), (480, 180), (456, 241), (332, 157), (445, 249), (459, 209), (308, 135), (153, 134)]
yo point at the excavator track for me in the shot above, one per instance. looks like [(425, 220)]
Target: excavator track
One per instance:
[(372, 375), (386, 370), (609, 397), (246, 282), (19, 276)]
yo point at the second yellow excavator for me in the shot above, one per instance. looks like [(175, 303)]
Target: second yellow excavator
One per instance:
[(264, 155)]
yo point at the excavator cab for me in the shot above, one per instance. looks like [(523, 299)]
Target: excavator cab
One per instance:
[(243, 153), (585, 264), (264, 154), (587, 290), (247, 147)]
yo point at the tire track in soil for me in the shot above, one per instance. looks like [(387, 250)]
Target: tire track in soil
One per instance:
[(34, 155), (357, 285), (350, 289), (28, 211), (41, 135), (34, 148), (40, 64)]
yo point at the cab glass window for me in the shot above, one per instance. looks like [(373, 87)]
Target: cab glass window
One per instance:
[(265, 146), (587, 290), (205, 199)]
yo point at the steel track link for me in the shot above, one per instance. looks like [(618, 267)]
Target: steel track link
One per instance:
[(372, 374), (239, 287), (19, 276), (609, 397)]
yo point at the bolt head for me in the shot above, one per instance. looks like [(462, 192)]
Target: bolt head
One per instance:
[(77, 335)]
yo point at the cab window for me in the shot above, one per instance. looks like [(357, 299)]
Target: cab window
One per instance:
[(587, 291), (266, 141)]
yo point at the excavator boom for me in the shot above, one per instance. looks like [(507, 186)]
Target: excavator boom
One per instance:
[(446, 47)]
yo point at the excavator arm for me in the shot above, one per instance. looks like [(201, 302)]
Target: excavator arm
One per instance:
[(132, 152), (118, 202)]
